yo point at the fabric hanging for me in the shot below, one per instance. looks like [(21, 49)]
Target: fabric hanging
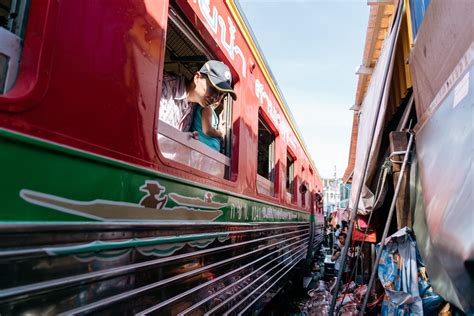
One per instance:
[(402, 273)]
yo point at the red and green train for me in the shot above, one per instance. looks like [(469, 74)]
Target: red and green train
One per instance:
[(106, 209)]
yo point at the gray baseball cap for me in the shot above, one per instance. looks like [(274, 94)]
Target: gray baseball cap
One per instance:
[(220, 76)]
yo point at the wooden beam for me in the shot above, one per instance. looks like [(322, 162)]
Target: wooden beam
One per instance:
[(355, 107), (375, 35), (364, 70), (380, 2)]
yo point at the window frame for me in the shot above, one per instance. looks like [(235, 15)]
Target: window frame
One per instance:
[(12, 37), (32, 77), (303, 194), (290, 185), (267, 184), (169, 131), (11, 62), (180, 20)]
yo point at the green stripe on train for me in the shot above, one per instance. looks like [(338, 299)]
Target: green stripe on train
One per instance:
[(47, 182)]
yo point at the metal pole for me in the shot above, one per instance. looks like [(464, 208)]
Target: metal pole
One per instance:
[(376, 196), (351, 224), (364, 169), (387, 226)]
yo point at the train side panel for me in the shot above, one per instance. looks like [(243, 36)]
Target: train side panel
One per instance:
[(93, 218)]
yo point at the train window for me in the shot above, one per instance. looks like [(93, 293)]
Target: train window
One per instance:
[(13, 16), (265, 158), (224, 112), (290, 177), (184, 55), (303, 189)]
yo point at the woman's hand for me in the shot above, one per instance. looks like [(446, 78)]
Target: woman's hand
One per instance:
[(222, 129), (194, 135)]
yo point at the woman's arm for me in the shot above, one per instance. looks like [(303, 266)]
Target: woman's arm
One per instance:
[(207, 128)]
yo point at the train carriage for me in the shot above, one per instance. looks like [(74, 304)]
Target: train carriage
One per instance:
[(104, 207)]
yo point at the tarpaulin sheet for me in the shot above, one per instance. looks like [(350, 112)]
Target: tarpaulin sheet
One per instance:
[(444, 150), (402, 273), (442, 64), (367, 115)]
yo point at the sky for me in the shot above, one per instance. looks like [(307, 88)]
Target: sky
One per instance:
[(313, 49)]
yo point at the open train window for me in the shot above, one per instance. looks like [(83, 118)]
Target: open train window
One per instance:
[(303, 189), (290, 177), (13, 16), (265, 158), (185, 54)]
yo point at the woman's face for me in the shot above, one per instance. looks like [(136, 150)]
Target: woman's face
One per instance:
[(206, 92)]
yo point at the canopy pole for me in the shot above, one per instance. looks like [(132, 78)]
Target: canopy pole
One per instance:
[(345, 249), (387, 225)]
